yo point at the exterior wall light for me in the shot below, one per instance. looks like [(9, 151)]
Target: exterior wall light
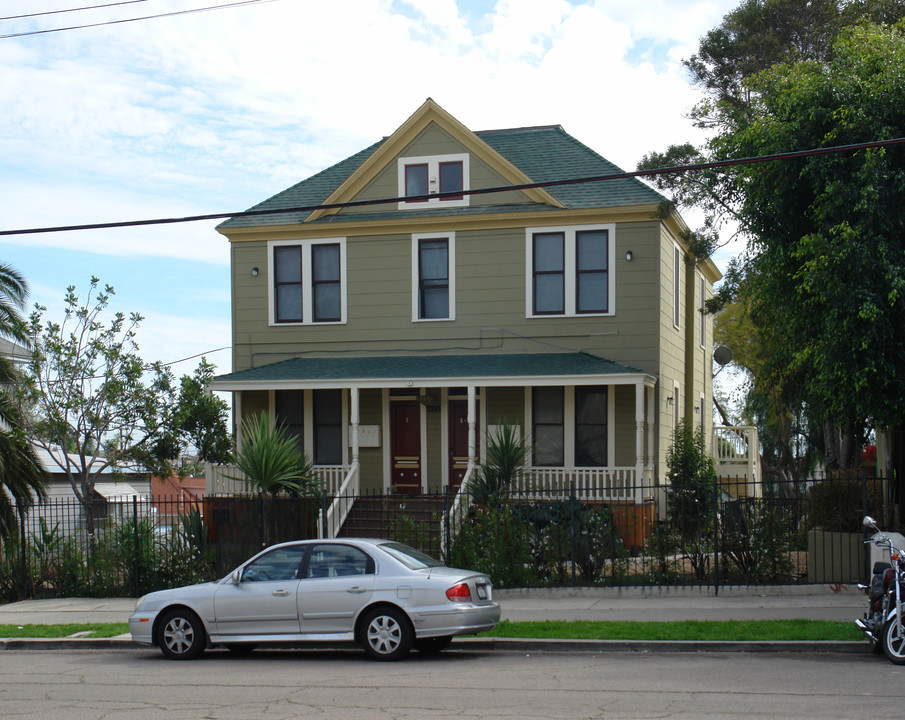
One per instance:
[(254, 272), (628, 255)]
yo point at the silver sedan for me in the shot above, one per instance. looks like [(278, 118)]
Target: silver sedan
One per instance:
[(385, 596)]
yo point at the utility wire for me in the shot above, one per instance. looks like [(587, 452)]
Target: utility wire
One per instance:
[(135, 19), (69, 10), (458, 193)]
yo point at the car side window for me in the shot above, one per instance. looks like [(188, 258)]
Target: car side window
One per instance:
[(282, 563), (338, 561)]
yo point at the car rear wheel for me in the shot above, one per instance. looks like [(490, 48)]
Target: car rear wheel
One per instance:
[(386, 634), (431, 646), (181, 635)]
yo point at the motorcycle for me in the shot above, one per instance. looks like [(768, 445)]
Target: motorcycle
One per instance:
[(884, 622)]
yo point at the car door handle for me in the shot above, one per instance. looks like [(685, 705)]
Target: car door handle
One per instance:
[(280, 593), (356, 590)]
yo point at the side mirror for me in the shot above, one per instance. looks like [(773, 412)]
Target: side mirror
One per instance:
[(869, 522), (236, 577)]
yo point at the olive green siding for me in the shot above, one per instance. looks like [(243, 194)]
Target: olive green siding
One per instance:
[(505, 406), (490, 303), (370, 409)]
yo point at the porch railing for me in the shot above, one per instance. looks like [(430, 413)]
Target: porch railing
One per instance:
[(456, 510), (221, 479), (343, 498), (610, 484), (736, 451)]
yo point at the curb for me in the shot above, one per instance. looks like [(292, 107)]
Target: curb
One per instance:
[(520, 645), (672, 646)]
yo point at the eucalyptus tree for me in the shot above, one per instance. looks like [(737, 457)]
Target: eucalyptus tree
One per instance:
[(823, 269)]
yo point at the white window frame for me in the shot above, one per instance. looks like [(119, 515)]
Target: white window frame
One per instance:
[(702, 334), (570, 274), (307, 304), (676, 287), (450, 237), (433, 180)]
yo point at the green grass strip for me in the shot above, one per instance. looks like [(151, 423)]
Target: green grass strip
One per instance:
[(741, 630), (94, 630)]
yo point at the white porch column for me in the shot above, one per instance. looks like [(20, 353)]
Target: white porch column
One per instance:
[(639, 439), (651, 425), (472, 415), (353, 423)]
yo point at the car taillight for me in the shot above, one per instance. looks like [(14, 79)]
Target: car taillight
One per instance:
[(459, 593)]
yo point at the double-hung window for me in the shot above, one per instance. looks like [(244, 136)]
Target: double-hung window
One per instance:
[(308, 281), (548, 421), (433, 276), (328, 417), (442, 176), (570, 426), (568, 271)]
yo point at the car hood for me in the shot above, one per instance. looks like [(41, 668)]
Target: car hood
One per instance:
[(183, 594)]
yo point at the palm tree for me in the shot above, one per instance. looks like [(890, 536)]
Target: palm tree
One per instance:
[(271, 460), (23, 480)]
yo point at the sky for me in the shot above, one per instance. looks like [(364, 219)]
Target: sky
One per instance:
[(215, 111)]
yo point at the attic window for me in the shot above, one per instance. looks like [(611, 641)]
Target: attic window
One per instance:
[(433, 175)]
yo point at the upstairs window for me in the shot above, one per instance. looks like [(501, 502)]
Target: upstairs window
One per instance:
[(433, 175), (433, 276), (568, 271), (308, 281)]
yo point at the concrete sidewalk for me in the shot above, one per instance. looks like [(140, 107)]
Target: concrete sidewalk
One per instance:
[(641, 604)]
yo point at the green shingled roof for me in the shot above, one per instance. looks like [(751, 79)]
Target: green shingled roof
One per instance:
[(425, 367), (542, 153)]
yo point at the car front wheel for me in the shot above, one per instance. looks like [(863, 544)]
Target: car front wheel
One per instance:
[(894, 642), (181, 635), (386, 634)]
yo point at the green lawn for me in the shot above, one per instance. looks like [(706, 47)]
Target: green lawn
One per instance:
[(93, 630), (556, 629), (682, 630)]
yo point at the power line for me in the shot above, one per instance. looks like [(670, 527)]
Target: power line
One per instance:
[(458, 193), (135, 19), (69, 10)]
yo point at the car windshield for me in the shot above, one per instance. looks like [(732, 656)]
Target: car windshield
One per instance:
[(408, 556)]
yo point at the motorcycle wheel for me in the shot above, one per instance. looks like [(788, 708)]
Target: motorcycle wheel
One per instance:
[(894, 643)]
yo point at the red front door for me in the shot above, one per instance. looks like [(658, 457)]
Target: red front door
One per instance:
[(458, 441), (405, 446)]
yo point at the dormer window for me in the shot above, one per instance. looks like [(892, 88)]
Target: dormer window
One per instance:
[(433, 175)]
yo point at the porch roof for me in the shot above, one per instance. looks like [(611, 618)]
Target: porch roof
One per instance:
[(498, 369)]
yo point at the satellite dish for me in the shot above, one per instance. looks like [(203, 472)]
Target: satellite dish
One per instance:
[(722, 355)]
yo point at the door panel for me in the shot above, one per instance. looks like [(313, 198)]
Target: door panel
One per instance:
[(458, 441), (264, 601), (405, 446), (257, 608)]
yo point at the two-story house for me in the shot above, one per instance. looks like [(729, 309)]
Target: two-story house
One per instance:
[(392, 309)]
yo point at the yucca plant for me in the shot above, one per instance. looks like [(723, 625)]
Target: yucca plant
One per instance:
[(505, 461), (272, 461)]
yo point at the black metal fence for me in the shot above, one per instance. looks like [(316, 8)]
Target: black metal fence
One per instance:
[(730, 533)]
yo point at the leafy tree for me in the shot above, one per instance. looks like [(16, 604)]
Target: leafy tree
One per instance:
[(93, 404), (822, 276), (22, 477), (201, 417), (271, 460)]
